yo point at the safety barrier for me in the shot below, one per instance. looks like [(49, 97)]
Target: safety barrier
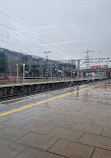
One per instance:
[(10, 79)]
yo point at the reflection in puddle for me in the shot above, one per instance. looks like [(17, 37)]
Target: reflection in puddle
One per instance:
[(100, 94), (77, 94)]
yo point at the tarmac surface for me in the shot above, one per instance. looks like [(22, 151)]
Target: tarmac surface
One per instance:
[(70, 123)]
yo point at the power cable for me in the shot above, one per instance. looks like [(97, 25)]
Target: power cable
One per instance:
[(32, 29)]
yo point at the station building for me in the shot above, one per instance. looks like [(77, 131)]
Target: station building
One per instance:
[(34, 66)]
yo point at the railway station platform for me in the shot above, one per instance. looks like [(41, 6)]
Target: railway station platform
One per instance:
[(9, 91), (73, 122)]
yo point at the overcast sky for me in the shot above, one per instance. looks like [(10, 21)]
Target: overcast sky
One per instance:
[(87, 22)]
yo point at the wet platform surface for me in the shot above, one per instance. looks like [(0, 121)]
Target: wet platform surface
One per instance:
[(72, 126)]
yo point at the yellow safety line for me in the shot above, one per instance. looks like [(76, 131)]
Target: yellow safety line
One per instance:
[(44, 101)]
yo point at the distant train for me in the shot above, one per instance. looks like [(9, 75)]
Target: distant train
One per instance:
[(99, 67)]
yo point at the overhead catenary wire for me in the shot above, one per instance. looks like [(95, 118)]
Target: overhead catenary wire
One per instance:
[(28, 36), (2, 34), (31, 27)]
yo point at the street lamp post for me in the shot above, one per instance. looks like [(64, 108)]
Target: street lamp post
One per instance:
[(10, 70), (78, 69), (47, 64), (17, 71), (23, 72)]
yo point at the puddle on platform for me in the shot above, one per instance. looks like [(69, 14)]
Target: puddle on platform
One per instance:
[(100, 94)]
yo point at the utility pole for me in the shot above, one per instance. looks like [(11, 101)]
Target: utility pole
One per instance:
[(87, 58), (47, 72)]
